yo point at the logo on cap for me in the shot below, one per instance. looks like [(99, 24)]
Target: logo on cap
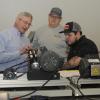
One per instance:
[(66, 27)]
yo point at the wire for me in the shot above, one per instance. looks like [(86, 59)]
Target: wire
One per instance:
[(21, 75), (19, 64), (15, 65), (79, 87), (73, 91), (36, 89), (39, 87), (82, 92)]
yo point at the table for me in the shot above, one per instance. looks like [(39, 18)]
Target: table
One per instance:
[(21, 86)]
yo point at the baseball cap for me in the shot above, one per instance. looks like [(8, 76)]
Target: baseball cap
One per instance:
[(71, 27), (56, 12)]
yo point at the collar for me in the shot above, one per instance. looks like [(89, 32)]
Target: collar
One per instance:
[(18, 32), (78, 41)]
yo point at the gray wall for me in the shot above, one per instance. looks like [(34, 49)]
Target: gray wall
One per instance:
[(85, 12)]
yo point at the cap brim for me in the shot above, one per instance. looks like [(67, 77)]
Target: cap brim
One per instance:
[(65, 32), (53, 14), (62, 32)]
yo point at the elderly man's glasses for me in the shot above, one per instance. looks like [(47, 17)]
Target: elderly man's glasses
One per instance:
[(25, 22)]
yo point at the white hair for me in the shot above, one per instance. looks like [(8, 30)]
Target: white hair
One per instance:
[(27, 14)]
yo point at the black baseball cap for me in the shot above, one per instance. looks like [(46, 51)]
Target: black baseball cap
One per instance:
[(71, 27)]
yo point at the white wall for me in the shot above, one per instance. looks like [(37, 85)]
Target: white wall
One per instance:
[(85, 12)]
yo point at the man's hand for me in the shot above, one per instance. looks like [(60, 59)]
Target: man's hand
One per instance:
[(75, 61), (26, 49), (72, 63)]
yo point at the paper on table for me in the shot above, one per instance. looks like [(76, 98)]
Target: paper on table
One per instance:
[(69, 73)]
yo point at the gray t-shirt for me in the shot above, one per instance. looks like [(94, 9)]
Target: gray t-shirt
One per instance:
[(51, 39)]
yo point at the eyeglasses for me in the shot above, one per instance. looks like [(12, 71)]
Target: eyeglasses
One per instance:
[(25, 22)]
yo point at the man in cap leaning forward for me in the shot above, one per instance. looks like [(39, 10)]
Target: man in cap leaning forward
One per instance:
[(80, 46)]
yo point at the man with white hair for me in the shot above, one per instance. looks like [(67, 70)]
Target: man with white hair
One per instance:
[(14, 46)]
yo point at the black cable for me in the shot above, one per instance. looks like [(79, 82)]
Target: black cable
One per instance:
[(19, 64), (10, 73), (36, 89), (20, 74), (82, 92), (78, 86), (73, 91), (53, 72), (15, 65)]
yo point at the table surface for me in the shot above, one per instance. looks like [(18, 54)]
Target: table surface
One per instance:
[(24, 82), (63, 81)]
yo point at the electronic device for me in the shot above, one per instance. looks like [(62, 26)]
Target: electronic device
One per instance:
[(9, 74), (90, 67), (42, 75), (95, 68), (44, 66)]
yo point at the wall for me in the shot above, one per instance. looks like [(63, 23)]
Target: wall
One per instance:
[(85, 12)]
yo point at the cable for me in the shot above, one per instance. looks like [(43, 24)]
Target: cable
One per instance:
[(82, 92), (73, 91), (54, 59), (15, 65), (78, 86), (10, 73), (36, 89), (20, 74), (19, 63)]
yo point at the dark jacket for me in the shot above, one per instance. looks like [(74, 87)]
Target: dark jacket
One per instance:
[(82, 48)]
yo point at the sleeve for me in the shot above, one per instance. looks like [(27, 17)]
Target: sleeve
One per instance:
[(6, 56)]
